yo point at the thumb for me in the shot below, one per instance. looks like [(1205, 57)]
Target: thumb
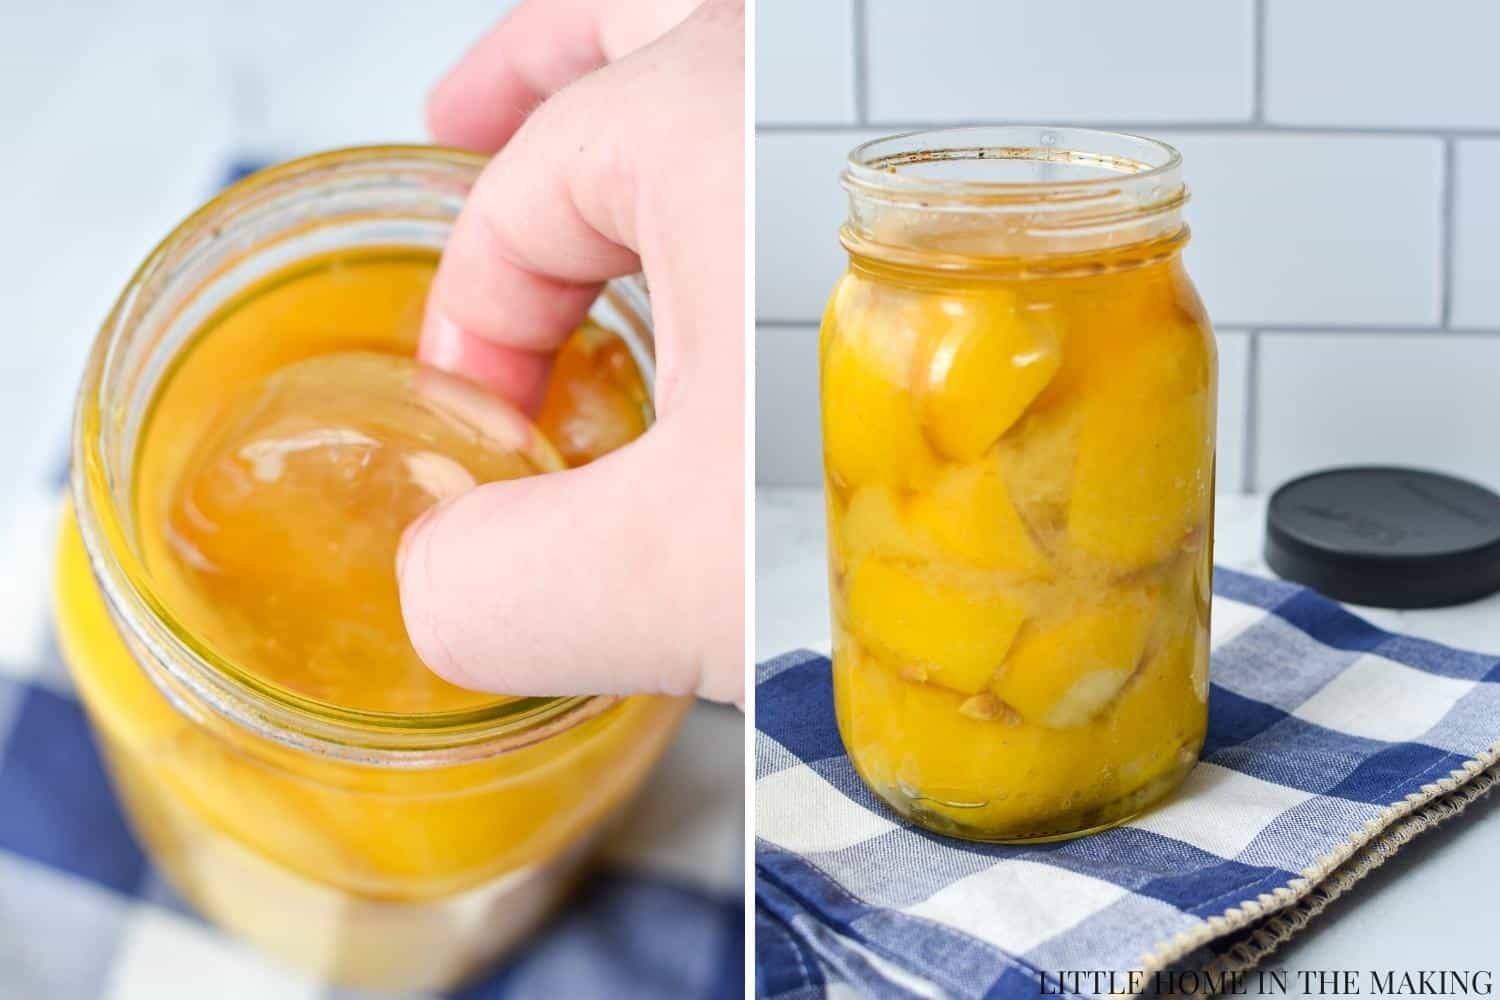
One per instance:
[(603, 579)]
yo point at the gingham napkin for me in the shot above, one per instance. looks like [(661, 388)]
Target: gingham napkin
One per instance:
[(1330, 743), (84, 915)]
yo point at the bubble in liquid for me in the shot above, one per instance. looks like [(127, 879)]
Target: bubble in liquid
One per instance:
[(291, 509)]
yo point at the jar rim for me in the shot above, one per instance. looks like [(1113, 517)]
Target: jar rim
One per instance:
[(1125, 167), (198, 673)]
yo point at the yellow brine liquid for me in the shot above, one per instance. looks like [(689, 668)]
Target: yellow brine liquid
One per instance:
[(285, 451)]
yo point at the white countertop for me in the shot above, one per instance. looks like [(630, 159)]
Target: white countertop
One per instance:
[(1428, 908)]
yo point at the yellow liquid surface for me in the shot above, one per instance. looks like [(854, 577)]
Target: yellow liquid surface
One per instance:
[(1019, 483), (297, 438), (268, 519)]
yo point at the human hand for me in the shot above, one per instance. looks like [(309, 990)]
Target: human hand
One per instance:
[(624, 575)]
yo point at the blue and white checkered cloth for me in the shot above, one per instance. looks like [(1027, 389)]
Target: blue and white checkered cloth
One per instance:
[(1330, 743), (84, 915)]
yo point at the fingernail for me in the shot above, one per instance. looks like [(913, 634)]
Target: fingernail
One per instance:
[(443, 343)]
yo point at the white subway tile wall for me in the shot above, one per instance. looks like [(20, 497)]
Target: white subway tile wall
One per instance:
[(808, 76), (798, 209), (1351, 63), (1234, 388), (786, 378), (1476, 234), (924, 64), (1314, 228), (1342, 398), (1345, 169)]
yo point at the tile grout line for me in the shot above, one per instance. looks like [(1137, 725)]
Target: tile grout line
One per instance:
[(1252, 414), (858, 30), (1258, 67), (1257, 125), (1446, 219), (1222, 126)]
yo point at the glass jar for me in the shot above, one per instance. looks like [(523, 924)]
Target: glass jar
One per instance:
[(370, 848), (1018, 399)]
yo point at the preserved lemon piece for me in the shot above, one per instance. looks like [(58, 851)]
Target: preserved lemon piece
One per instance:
[(286, 521), (1010, 772), (877, 523), (1160, 716), (1037, 458), (968, 513), (596, 400), (959, 636), (873, 434), (987, 362), (965, 517), (1143, 477), (1062, 674)]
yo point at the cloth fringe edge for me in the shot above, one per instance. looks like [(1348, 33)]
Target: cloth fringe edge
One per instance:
[(1290, 907)]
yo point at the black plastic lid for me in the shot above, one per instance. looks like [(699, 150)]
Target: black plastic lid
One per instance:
[(1386, 537)]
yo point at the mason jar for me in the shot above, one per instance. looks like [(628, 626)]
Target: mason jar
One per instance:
[(1018, 404), (377, 848)]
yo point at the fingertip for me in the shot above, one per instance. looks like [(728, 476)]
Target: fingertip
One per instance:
[(404, 547), (419, 603), (458, 114), (517, 374), (441, 343), (439, 112)]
